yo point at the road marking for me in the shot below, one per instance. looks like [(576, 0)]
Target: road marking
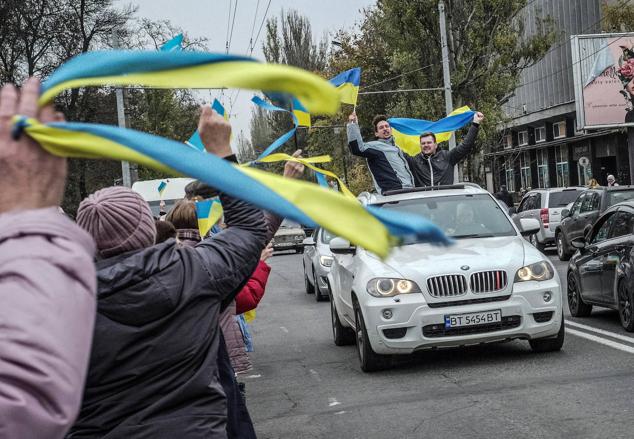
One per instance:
[(603, 341), (284, 329), (601, 331), (333, 402)]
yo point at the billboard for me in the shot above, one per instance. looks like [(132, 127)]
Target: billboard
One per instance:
[(603, 71)]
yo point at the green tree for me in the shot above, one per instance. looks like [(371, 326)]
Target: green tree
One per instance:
[(618, 16)]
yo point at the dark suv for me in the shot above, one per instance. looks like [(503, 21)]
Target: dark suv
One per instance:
[(588, 206)]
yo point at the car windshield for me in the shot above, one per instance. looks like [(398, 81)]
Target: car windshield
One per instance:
[(618, 196), (563, 198), (326, 236), (289, 224), (460, 216)]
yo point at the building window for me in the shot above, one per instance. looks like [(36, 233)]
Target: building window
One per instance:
[(561, 158), (540, 134), (522, 138), (525, 170), (510, 174), (542, 168), (508, 141), (559, 130)]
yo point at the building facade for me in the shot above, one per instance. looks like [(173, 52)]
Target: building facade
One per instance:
[(541, 146)]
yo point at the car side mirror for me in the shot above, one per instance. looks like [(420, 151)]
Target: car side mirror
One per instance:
[(341, 246), (529, 226), (565, 213), (308, 242), (579, 243)]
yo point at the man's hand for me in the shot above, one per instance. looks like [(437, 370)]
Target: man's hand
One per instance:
[(30, 177), (267, 252), (478, 117), (294, 169), (215, 132), (353, 118)]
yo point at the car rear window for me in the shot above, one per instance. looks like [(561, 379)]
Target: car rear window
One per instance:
[(563, 198), (618, 196)]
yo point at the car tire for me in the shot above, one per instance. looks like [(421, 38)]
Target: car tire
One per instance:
[(626, 307), (550, 344), (310, 289), (576, 305), (369, 360), (562, 247), (318, 296), (536, 243), (341, 335)]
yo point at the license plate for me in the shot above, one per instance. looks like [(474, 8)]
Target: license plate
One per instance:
[(283, 244), (472, 319)]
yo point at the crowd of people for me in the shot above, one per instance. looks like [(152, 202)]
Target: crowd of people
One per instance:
[(122, 325)]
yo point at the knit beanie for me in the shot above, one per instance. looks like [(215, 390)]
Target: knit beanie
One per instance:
[(118, 219)]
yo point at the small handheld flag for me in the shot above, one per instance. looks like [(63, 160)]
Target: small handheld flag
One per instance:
[(173, 45), (195, 141), (347, 84), (208, 213), (301, 113), (161, 188)]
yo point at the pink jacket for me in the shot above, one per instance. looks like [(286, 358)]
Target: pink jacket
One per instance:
[(47, 312)]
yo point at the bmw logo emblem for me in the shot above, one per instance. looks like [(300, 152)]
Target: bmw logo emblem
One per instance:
[(464, 267)]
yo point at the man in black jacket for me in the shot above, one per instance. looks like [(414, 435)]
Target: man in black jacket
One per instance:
[(433, 167), (153, 368)]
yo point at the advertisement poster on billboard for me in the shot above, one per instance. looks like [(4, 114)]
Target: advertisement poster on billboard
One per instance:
[(603, 69)]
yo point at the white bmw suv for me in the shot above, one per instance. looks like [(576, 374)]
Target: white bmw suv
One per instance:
[(491, 285)]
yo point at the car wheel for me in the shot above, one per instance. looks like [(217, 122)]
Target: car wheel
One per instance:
[(578, 308), (342, 336), (536, 243), (562, 247), (369, 360), (550, 344), (310, 289), (626, 307)]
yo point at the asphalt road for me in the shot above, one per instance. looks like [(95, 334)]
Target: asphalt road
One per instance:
[(303, 386)]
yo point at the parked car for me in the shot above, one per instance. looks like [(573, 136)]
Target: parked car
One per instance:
[(588, 206), (601, 272), (289, 237), (491, 285), (545, 205), (317, 262)]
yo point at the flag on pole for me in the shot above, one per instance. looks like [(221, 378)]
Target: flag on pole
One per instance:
[(173, 45), (347, 84)]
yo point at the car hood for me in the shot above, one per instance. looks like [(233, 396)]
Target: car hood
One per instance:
[(479, 254)]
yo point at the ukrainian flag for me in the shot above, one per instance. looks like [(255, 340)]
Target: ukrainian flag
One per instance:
[(173, 45), (216, 105), (347, 84), (195, 141), (407, 132), (161, 188), (208, 213), (301, 113)]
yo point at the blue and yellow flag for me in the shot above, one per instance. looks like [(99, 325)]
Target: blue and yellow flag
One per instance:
[(407, 132), (301, 113), (173, 45), (220, 109), (208, 213), (347, 84), (161, 188), (195, 141), (284, 137)]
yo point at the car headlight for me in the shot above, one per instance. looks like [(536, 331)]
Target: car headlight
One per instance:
[(388, 287), (538, 271), (326, 261)]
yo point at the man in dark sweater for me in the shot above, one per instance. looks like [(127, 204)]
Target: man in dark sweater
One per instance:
[(434, 167)]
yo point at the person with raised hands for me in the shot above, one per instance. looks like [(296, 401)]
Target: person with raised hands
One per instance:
[(47, 282)]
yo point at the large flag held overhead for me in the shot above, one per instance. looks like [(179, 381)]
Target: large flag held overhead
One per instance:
[(407, 132), (185, 69), (347, 84), (173, 45)]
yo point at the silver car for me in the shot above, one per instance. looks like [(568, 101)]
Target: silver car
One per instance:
[(317, 262), (545, 205), (289, 237)]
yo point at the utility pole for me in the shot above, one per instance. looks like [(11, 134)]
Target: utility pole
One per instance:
[(125, 166), (446, 76)]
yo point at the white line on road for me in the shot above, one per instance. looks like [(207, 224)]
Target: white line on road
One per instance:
[(284, 329), (600, 331), (333, 402), (603, 341)]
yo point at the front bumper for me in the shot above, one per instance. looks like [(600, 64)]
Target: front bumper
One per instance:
[(546, 236), (287, 246), (413, 314), (321, 274)]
